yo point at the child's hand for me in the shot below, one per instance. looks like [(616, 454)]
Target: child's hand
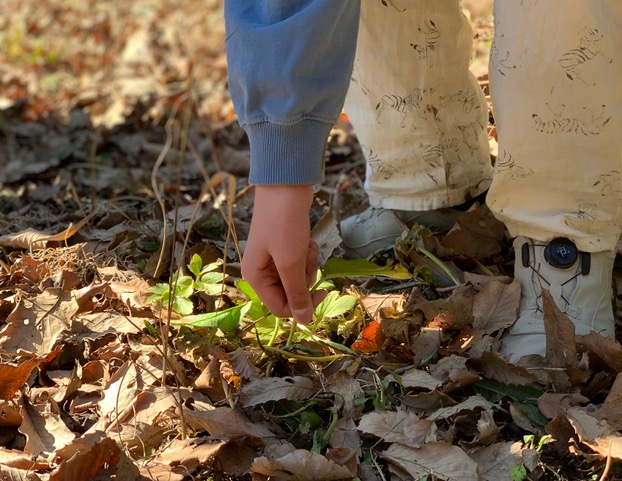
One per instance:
[(280, 260)]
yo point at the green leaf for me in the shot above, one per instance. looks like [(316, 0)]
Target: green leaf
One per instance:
[(183, 306), (532, 412), (335, 305), (361, 268), (247, 290), (266, 327), (213, 277), (227, 321), (184, 286), (196, 263), (212, 266), (518, 472), (494, 391), (158, 290)]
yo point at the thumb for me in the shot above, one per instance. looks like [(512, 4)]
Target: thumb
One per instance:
[(298, 298)]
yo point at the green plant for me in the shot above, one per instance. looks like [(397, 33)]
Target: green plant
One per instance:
[(178, 292), (519, 472), (268, 328)]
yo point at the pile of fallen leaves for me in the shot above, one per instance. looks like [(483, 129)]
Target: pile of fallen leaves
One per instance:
[(397, 378)]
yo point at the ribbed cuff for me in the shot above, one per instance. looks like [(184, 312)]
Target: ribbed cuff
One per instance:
[(287, 154)]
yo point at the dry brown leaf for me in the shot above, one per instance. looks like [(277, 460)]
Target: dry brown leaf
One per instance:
[(459, 379), (487, 430), (597, 434), (13, 377), (83, 444), (477, 233), (442, 369), (9, 415), (428, 401), (493, 366), (398, 427), (560, 344), (301, 465), (269, 389), (417, 378), (495, 461), (345, 435), (44, 430), (234, 457), (561, 348), (96, 324), (470, 404), (119, 394), (496, 306), (608, 350), (611, 410), (240, 360), (374, 303), (223, 422), (552, 405), (326, 234), (453, 313), (86, 464), (441, 460), (33, 239), (347, 390), (37, 324), (8, 473), (20, 460), (163, 472), (425, 344)]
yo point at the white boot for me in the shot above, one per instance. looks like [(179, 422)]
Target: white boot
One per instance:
[(375, 229), (579, 282)]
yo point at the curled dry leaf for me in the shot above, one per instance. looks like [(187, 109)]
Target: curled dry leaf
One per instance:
[(597, 434), (13, 377), (470, 404), (608, 350), (33, 239)]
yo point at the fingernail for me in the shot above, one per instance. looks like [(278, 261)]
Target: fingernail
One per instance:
[(300, 312)]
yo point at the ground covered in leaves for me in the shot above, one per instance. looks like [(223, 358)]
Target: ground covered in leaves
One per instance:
[(130, 348)]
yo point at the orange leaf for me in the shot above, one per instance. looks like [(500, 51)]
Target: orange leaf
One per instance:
[(371, 339)]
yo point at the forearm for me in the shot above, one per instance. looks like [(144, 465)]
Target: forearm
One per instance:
[(290, 64)]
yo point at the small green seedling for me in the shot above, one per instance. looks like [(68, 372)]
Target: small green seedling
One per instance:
[(519, 472), (182, 287)]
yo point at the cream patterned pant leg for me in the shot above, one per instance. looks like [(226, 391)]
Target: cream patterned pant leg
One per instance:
[(419, 114), (556, 85)]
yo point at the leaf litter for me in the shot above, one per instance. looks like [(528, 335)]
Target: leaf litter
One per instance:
[(119, 142)]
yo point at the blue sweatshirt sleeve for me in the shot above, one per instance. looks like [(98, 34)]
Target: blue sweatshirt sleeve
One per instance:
[(289, 63)]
